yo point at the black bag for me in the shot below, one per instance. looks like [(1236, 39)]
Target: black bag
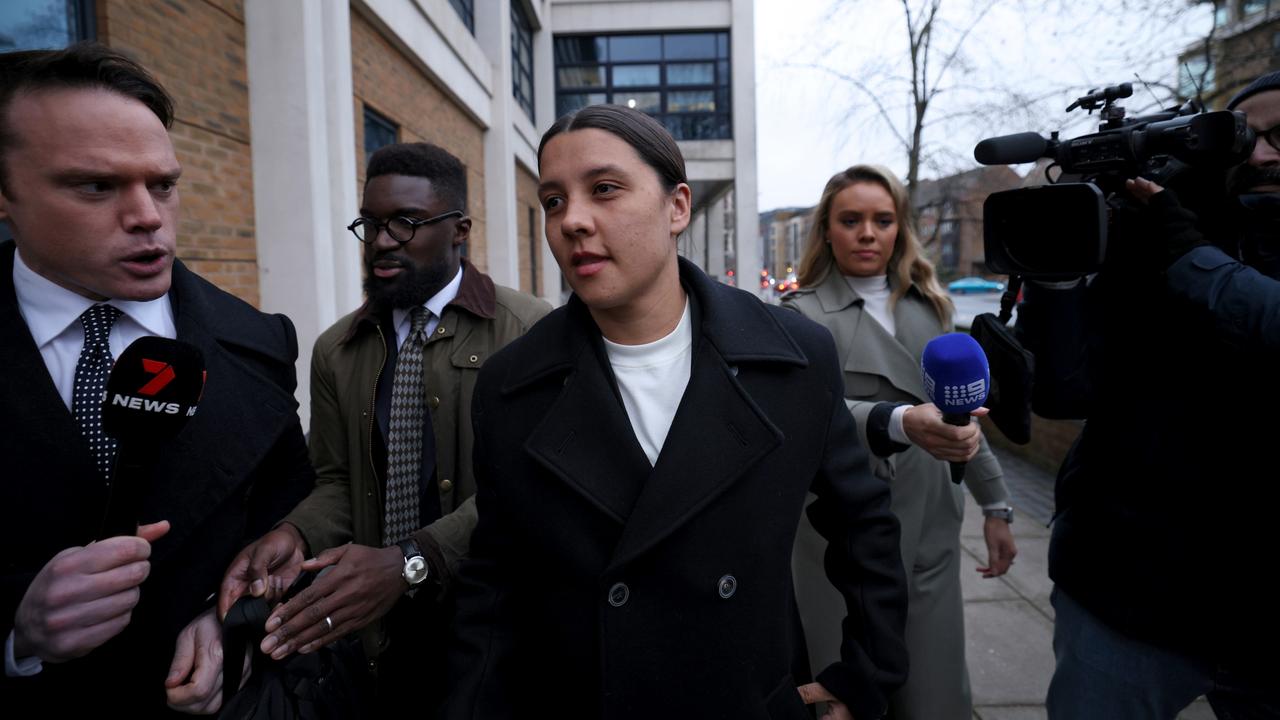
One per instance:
[(328, 684), (1012, 369)]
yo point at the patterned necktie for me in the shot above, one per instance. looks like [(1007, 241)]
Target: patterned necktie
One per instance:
[(91, 383), (404, 433)]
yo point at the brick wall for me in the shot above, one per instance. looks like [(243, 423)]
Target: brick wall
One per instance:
[(529, 222), (196, 48), (388, 82)]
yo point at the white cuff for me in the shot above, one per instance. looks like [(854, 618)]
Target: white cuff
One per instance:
[(1000, 505), (896, 432), (19, 668)]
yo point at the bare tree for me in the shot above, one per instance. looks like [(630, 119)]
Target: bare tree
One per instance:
[(902, 94)]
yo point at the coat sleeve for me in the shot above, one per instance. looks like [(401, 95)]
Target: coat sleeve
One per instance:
[(1242, 304), (862, 561), (324, 517), (984, 478)]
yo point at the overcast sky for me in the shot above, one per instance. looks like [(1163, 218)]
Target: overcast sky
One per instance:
[(811, 124)]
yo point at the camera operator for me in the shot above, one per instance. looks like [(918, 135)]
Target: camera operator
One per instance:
[(1164, 501)]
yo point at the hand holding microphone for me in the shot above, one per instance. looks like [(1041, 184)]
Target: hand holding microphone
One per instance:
[(956, 380)]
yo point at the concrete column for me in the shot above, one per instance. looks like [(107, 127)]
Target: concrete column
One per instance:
[(493, 33), (303, 143), (715, 239), (742, 56)]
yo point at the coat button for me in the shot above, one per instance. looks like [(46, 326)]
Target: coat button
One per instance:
[(727, 586), (446, 485), (618, 594), (474, 359), (435, 402), (440, 330)]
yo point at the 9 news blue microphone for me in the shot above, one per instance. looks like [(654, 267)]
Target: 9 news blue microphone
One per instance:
[(956, 379)]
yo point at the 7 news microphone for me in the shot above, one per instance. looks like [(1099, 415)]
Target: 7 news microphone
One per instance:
[(956, 379), (153, 390)]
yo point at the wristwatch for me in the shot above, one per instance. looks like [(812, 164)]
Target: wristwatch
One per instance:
[(1004, 513), (415, 566)]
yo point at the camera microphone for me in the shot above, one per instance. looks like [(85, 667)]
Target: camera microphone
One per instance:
[(1011, 149), (956, 379), (152, 391)]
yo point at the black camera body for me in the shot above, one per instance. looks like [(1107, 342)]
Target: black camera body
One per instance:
[(1062, 228)]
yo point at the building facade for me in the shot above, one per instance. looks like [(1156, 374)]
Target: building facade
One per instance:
[(1244, 44), (280, 102)]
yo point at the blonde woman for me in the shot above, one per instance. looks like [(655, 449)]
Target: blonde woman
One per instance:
[(865, 278)]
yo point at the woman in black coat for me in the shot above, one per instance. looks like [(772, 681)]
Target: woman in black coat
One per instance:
[(642, 458)]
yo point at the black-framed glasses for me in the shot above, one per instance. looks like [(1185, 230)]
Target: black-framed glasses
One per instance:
[(400, 229), (1272, 136)]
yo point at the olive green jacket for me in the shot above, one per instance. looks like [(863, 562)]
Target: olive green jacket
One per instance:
[(347, 502)]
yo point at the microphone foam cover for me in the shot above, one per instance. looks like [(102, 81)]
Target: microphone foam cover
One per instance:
[(153, 390), (956, 374)]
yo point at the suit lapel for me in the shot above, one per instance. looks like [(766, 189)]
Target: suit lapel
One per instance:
[(68, 477), (717, 434)]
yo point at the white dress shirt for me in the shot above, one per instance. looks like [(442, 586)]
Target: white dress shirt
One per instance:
[(435, 308)]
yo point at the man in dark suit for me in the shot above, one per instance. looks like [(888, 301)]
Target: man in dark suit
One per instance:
[(88, 189)]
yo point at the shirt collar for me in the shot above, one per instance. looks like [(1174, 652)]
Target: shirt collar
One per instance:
[(49, 309), (435, 304)]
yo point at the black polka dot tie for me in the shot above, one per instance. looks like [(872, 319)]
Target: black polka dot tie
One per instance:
[(91, 383)]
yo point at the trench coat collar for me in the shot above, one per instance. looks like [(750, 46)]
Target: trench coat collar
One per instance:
[(717, 435), (876, 351)]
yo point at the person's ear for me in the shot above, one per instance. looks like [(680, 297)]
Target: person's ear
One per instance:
[(681, 208), (462, 232)]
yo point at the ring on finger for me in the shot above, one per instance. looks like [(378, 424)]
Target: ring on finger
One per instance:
[(329, 622)]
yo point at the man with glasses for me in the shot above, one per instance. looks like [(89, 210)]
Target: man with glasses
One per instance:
[(1165, 503), (391, 438)]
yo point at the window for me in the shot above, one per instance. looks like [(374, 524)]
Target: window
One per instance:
[(1252, 6), (45, 24), (466, 10), (378, 132), (521, 58), (682, 79)]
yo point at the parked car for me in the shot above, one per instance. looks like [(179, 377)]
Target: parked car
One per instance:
[(964, 286)]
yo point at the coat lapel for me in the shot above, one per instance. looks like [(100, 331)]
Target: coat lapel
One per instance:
[(586, 438), (878, 352), (239, 419), (717, 435)]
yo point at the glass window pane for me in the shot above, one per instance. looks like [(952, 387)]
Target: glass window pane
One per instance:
[(691, 74), (378, 132), (635, 47), (581, 50), (722, 45), (39, 24), (650, 102), (691, 46), (632, 75), (1252, 6), (466, 11), (568, 102), (587, 77), (722, 77), (722, 100), (691, 101)]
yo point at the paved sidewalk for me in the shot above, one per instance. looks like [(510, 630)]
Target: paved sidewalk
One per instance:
[(1008, 620)]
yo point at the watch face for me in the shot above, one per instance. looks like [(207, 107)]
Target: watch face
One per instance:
[(415, 570)]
